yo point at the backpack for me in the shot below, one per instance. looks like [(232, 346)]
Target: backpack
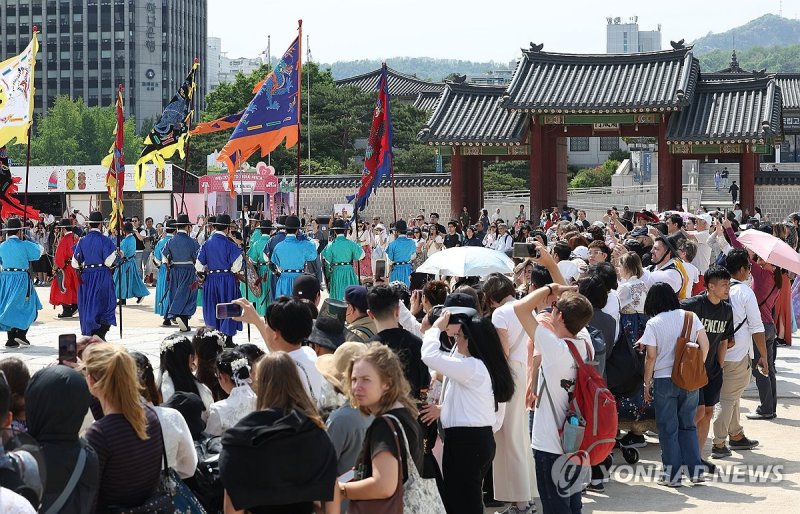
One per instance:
[(595, 407), (599, 345), (624, 367), (689, 369)]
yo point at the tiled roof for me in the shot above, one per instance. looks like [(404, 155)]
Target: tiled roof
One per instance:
[(607, 83), (790, 90), (426, 100), (400, 85), (353, 181), (470, 114), (732, 111)]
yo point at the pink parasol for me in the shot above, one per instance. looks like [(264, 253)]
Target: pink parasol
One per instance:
[(771, 249)]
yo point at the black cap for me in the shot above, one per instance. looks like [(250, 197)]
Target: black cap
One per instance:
[(460, 300), (357, 297), (306, 287)]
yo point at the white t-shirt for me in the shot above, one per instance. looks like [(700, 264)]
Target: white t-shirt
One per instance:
[(692, 272), (504, 318), (558, 367), (224, 414), (662, 331), (13, 503), (670, 276), (745, 308), (612, 308), (632, 293), (312, 380), (703, 258), (178, 443)]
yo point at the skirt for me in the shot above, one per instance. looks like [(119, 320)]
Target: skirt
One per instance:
[(365, 267)]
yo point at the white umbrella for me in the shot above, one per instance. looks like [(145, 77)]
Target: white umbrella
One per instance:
[(467, 261)]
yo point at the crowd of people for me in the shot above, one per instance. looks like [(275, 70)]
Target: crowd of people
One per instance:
[(396, 380)]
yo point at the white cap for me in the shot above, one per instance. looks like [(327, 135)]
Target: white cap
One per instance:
[(705, 217), (569, 270), (599, 224), (582, 252)]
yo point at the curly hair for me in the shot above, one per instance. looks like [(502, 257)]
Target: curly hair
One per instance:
[(390, 370)]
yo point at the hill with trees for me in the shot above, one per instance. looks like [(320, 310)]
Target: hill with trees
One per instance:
[(426, 68), (765, 31)]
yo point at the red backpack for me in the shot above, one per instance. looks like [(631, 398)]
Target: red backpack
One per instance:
[(595, 407)]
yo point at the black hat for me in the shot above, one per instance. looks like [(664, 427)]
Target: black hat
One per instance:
[(672, 242), (460, 300), (64, 223), (327, 332), (13, 225), (211, 220), (170, 226), (339, 225), (223, 221), (401, 227), (96, 218), (127, 227), (265, 226), (306, 286), (292, 223), (183, 220), (281, 222)]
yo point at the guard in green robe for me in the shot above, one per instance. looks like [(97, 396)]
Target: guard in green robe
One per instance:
[(258, 241), (339, 256)]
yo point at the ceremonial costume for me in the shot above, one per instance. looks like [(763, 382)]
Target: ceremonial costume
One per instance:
[(128, 277), (180, 256), (94, 254), (221, 258), (274, 241), (339, 256), (62, 260), (19, 303), (401, 251), (290, 256), (162, 288), (258, 244)]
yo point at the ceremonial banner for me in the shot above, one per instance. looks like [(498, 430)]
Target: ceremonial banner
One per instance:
[(378, 157), (209, 127), (272, 115), (115, 162), (171, 131), (16, 94), (9, 187)]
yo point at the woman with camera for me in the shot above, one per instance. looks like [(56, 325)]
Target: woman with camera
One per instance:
[(476, 382)]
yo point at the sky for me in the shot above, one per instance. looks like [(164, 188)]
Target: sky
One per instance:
[(475, 30)]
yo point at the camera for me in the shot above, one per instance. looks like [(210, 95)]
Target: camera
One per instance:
[(523, 250)]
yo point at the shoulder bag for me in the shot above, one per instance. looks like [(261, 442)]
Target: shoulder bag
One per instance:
[(58, 504), (688, 370)]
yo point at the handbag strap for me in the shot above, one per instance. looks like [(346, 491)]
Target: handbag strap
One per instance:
[(77, 471), (388, 419), (412, 467)]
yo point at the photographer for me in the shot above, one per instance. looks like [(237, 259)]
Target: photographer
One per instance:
[(11, 479)]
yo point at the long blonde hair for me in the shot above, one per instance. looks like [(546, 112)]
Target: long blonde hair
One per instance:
[(278, 386), (115, 378), (390, 370)]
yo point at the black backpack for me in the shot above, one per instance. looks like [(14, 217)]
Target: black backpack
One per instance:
[(206, 483), (624, 368)]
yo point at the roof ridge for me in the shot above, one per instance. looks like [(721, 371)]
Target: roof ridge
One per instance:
[(606, 58)]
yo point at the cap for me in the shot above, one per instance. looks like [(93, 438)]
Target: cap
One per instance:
[(306, 286), (460, 300), (581, 252), (357, 297), (569, 270)]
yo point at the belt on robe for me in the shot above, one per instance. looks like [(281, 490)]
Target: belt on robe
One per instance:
[(212, 271), (89, 266), (400, 263), (14, 269), (293, 271), (183, 262), (342, 264)]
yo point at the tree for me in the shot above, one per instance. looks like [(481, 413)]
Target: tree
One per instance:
[(72, 133), (494, 180), (599, 176)]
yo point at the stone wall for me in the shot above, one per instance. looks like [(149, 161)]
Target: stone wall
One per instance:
[(778, 201), (319, 201)]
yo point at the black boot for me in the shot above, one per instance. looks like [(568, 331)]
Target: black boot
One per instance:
[(19, 336), (122, 302), (183, 323), (12, 342), (101, 332), (167, 322)]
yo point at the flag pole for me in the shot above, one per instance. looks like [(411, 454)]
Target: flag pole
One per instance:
[(188, 137), (28, 157), (245, 237), (308, 106), (299, 110), (269, 67), (391, 150)]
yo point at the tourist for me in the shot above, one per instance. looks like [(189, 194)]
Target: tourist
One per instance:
[(358, 322), (176, 358), (19, 302), (17, 377), (57, 399), (734, 191), (127, 439), (434, 242), (452, 239), (207, 344), (717, 176), (233, 372), (504, 242), (477, 381), (377, 387), (433, 293), (278, 459), (632, 292), (471, 237)]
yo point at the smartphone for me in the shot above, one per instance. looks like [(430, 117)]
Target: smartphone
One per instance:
[(347, 476), (228, 310), (67, 348), (523, 250), (380, 268)]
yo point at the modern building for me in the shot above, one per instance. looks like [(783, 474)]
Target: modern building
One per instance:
[(492, 77), (88, 47), (624, 37), (213, 62), (223, 69)]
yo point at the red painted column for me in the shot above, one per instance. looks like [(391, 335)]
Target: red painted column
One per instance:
[(458, 182), (747, 177), (536, 169), (666, 174), (677, 181)]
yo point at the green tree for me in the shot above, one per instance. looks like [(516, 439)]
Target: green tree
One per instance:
[(599, 176), (498, 181), (72, 133)]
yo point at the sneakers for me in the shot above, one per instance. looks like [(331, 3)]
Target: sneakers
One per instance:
[(743, 444), (513, 509), (758, 415), (596, 488), (710, 468), (666, 483), (719, 452), (631, 440)]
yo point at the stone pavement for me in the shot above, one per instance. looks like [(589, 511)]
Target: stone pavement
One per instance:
[(780, 493)]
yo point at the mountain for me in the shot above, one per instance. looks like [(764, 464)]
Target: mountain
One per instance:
[(768, 30), (426, 68)]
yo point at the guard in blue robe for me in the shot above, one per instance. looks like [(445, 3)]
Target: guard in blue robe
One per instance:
[(93, 257), (290, 257), (180, 255), (19, 303), (127, 278), (401, 252), (162, 288), (220, 258)]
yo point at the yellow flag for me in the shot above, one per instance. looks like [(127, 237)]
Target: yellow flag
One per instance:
[(16, 94)]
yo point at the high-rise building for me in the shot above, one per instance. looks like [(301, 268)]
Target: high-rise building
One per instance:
[(213, 62), (222, 69), (88, 47), (624, 37)]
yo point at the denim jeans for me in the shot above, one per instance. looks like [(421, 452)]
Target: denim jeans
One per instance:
[(552, 501), (139, 257), (677, 433), (767, 385)]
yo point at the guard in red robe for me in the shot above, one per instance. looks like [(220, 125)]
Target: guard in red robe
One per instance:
[(64, 288)]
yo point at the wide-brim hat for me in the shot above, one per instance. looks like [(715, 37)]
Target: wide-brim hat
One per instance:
[(13, 225), (223, 220), (96, 218), (183, 220), (280, 222), (64, 223), (327, 332), (401, 226), (339, 225), (334, 366), (672, 242), (265, 226), (170, 226), (292, 223)]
